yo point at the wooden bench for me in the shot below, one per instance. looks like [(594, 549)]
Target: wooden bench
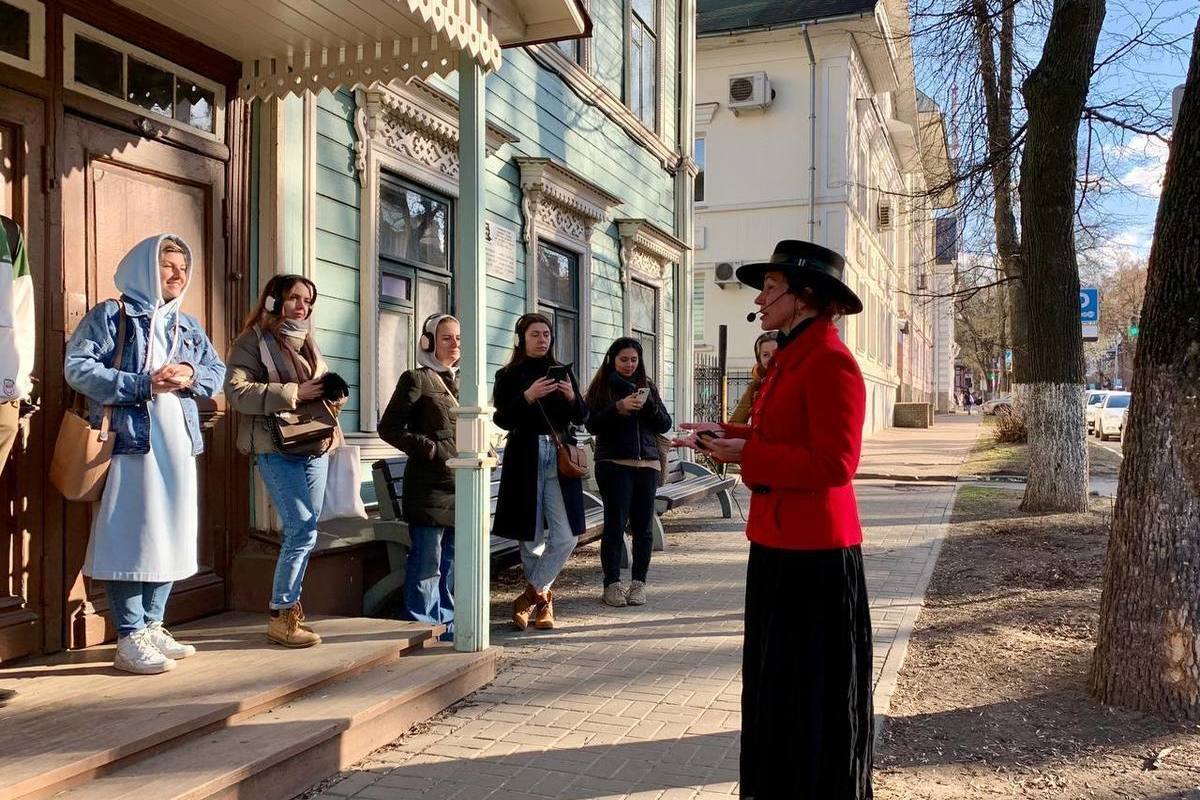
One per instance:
[(688, 482), (388, 477)]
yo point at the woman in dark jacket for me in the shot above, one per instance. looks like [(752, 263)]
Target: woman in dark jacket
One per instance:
[(625, 412), (418, 421), (806, 671), (537, 506)]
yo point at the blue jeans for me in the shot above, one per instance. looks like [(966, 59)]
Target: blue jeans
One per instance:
[(545, 556), (429, 577), (136, 604), (297, 487)]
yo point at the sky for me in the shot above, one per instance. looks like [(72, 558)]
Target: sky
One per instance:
[(1126, 167)]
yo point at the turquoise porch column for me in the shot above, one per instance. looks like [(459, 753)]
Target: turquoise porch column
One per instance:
[(472, 507)]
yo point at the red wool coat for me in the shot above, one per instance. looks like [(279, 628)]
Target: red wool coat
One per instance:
[(803, 447)]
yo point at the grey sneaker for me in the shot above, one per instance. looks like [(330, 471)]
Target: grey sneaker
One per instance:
[(614, 594), (135, 653), (637, 594), (161, 638)]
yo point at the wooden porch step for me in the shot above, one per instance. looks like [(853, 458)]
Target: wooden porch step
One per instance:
[(75, 717), (279, 753)]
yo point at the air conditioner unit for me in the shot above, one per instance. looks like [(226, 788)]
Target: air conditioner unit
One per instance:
[(750, 92), (883, 215), (725, 273)]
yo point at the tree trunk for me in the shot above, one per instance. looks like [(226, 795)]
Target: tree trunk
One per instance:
[(1055, 92), (1148, 650)]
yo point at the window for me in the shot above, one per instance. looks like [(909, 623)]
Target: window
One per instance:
[(558, 299), (699, 190), (643, 62), (643, 314), (864, 177), (23, 35), (104, 67), (414, 275), (698, 307), (572, 49)]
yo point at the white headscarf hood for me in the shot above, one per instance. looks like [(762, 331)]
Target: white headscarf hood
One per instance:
[(138, 281)]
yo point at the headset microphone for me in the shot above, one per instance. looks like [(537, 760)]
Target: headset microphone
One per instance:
[(754, 314)]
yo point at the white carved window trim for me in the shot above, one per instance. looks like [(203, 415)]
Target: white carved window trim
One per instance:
[(649, 254), (562, 207), (73, 28), (410, 132), (36, 63)]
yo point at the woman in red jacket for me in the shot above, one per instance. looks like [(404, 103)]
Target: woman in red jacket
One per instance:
[(806, 671)]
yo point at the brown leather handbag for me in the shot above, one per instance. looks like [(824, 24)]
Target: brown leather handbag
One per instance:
[(572, 459), (82, 454)]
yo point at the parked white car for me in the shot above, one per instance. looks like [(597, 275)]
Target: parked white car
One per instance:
[(997, 405), (1095, 399), (1110, 421)]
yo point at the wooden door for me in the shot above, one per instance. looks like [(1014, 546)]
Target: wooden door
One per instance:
[(21, 514), (117, 190)]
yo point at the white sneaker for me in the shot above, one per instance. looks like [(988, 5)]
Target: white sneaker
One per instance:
[(614, 594), (136, 653), (165, 643), (637, 594)]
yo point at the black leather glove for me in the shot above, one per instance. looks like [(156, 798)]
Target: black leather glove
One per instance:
[(334, 387)]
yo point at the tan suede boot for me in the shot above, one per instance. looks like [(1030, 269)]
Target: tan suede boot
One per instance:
[(288, 629), (545, 613), (524, 605)]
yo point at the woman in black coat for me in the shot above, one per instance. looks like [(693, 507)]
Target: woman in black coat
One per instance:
[(537, 506), (626, 414), (419, 420)]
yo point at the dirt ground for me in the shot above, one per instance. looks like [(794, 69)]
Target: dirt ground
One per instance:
[(990, 458), (992, 699)]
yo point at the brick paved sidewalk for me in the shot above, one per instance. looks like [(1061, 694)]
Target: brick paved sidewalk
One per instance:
[(920, 454), (639, 703)]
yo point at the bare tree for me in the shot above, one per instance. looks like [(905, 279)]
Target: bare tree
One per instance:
[(1146, 655)]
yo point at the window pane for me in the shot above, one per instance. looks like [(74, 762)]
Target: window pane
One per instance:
[(643, 307), (557, 276), (14, 31), (635, 56), (648, 82), (566, 341), (432, 298), (194, 105), (570, 49), (395, 288), (413, 226), (650, 351), (645, 10), (395, 353), (98, 66), (699, 187), (151, 88)]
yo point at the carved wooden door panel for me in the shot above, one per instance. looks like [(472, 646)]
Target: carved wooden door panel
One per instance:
[(117, 190), (22, 615)]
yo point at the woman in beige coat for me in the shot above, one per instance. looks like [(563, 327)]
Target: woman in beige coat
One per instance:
[(275, 367)]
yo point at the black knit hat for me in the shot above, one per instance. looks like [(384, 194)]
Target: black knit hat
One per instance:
[(807, 264)]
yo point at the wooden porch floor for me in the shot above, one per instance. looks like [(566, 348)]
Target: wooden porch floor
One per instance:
[(232, 713)]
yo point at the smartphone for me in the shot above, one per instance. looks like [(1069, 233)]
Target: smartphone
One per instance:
[(702, 438), (559, 372), (643, 394)]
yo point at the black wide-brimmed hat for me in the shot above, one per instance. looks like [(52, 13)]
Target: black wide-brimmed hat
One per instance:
[(811, 264)]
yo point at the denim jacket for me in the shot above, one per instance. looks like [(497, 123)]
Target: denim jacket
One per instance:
[(126, 388)]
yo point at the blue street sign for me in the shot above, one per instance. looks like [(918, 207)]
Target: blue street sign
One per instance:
[(1089, 306)]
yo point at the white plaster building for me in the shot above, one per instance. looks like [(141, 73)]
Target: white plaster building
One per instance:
[(807, 98)]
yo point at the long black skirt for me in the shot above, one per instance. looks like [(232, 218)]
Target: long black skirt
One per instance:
[(807, 716)]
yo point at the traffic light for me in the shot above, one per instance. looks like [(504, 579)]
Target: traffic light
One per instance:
[(1134, 327)]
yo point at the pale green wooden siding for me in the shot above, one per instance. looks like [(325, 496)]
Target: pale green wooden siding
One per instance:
[(336, 267), (551, 121)]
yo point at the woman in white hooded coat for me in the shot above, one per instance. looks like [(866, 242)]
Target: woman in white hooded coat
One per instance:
[(145, 529)]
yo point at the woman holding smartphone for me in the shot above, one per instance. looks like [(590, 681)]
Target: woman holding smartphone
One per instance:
[(537, 401), (626, 413)]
